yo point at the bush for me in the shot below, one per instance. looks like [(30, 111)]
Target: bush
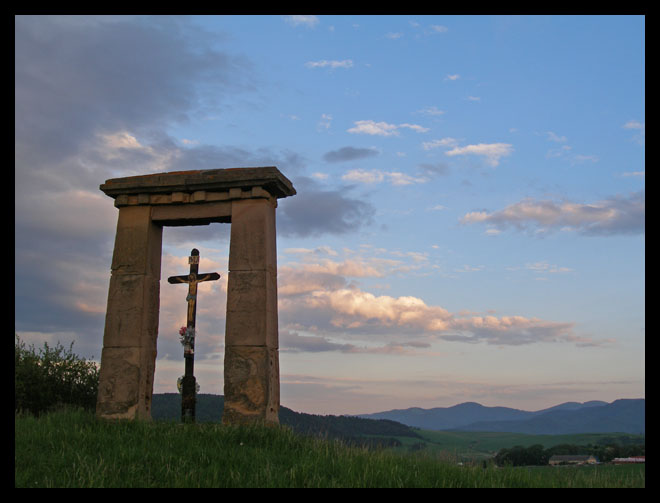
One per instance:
[(51, 378)]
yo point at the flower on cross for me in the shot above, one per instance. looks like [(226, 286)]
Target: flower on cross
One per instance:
[(187, 337)]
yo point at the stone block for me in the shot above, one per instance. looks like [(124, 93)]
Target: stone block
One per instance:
[(259, 192), (121, 200), (159, 199), (132, 311), (217, 196), (245, 328), (138, 242), (251, 291), (126, 383), (251, 390), (253, 236), (199, 195), (251, 309)]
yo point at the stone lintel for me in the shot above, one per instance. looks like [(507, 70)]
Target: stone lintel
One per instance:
[(192, 214), (268, 178), (185, 198)]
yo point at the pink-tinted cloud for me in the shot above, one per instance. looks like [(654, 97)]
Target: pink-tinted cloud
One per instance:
[(355, 312), (614, 215)]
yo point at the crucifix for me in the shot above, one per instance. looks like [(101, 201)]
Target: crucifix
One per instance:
[(189, 385)]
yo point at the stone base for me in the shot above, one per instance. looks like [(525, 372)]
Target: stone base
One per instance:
[(252, 390), (126, 383)]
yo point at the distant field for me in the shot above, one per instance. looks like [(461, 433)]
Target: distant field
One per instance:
[(466, 445)]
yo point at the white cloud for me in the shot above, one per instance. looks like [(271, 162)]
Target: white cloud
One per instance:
[(455, 76), (377, 176), (491, 151), (633, 124), (554, 137), (431, 111), (123, 147), (397, 178), (544, 267), (325, 122), (345, 63), (469, 268), (584, 158), (639, 138), (371, 127), (444, 142), (121, 139), (364, 176), (308, 21), (415, 127), (563, 151)]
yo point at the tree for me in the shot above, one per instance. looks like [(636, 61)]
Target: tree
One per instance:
[(52, 377), (518, 455)]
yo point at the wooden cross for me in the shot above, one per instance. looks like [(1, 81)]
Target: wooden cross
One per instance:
[(189, 384)]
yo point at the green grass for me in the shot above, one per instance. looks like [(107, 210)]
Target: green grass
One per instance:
[(74, 449)]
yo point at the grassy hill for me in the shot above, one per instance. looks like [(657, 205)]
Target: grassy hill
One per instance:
[(74, 449)]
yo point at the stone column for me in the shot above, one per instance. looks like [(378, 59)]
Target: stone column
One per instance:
[(128, 359), (252, 391)]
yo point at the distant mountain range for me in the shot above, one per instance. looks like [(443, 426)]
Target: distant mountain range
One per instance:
[(624, 415)]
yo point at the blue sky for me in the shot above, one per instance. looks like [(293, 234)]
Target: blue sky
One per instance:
[(469, 223)]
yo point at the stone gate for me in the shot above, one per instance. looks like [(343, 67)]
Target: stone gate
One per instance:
[(244, 197)]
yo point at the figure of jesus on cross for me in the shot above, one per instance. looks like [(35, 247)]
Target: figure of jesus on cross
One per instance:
[(189, 385)]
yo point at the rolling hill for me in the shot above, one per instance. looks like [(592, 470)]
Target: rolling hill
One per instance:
[(624, 415), (350, 429)]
